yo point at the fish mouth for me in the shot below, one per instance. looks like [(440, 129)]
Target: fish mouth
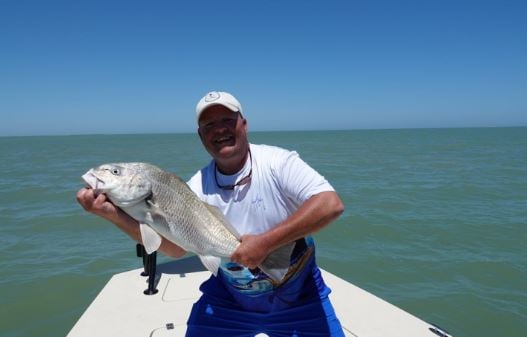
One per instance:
[(92, 180)]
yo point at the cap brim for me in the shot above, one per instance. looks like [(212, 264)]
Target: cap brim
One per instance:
[(208, 105)]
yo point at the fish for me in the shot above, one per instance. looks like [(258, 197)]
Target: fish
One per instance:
[(165, 206)]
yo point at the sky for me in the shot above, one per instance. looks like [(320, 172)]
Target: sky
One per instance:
[(91, 67)]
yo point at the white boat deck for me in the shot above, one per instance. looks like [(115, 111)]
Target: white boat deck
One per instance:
[(121, 308)]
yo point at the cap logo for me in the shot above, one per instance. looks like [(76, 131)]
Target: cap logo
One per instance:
[(212, 96)]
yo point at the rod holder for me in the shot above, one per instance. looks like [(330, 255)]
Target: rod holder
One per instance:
[(149, 268)]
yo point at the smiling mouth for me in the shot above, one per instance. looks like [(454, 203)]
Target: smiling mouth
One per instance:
[(224, 140)]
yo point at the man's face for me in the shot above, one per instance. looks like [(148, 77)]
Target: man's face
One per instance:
[(223, 132)]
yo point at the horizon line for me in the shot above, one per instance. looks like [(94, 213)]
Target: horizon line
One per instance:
[(256, 131)]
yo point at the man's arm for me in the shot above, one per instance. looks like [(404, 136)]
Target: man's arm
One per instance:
[(314, 214), (102, 207)]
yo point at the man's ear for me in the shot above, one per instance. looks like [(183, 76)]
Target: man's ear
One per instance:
[(245, 123)]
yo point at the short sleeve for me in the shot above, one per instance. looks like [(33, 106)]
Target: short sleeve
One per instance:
[(297, 179)]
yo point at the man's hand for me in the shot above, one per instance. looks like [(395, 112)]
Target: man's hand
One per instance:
[(251, 252), (98, 205)]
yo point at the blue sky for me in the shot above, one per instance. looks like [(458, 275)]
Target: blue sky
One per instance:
[(82, 67)]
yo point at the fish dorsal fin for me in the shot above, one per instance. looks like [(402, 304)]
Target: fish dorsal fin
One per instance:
[(216, 211), (151, 240)]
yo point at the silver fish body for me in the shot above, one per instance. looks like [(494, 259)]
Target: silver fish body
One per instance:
[(164, 205)]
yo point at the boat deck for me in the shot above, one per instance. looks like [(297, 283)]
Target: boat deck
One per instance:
[(121, 308)]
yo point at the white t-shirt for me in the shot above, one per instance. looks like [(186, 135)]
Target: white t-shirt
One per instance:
[(280, 183)]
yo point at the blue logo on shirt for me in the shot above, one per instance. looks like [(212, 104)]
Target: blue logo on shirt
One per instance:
[(258, 202)]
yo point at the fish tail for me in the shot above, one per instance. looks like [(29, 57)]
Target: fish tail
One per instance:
[(277, 263)]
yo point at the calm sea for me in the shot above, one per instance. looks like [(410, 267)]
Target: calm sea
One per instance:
[(435, 221)]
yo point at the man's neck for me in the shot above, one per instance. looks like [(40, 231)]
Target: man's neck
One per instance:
[(232, 165)]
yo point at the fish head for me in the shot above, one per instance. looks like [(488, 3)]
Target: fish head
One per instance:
[(124, 184)]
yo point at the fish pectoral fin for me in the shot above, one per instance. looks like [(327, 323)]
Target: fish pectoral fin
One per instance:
[(277, 263), (212, 263), (151, 240), (154, 208)]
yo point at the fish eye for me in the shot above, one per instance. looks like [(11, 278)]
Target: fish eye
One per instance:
[(115, 171)]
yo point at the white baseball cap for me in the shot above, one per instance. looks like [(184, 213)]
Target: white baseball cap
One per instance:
[(218, 98)]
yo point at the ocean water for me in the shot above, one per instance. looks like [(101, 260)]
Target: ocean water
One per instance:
[(435, 221)]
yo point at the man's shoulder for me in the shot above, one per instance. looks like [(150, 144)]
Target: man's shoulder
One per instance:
[(268, 150), (196, 181), (272, 156)]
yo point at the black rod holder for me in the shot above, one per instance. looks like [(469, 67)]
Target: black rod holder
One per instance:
[(149, 268), (152, 263), (141, 252)]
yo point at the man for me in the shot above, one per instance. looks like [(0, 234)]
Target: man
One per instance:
[(272, 198)]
